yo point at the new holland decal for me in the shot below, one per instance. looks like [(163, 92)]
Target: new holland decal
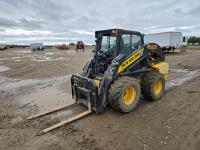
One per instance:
[(129, 61)]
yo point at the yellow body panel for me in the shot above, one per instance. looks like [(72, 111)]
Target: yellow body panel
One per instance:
[(97, 82), (129, 61), (163, 68)]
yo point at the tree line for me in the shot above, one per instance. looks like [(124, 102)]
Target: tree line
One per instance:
[(193, 40)]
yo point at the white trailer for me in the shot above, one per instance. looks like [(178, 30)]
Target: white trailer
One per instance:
[(167, 40), (3, 47), (36, 46)]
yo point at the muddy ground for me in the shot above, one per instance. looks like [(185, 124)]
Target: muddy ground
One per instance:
[(31, 83)]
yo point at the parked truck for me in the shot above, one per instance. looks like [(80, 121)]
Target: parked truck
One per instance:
[(36, 46), (3, 47), (63, 47), (168, 41), (80, 45)]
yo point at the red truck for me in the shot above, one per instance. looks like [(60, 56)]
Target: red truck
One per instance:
[(80, 45), (63, 47)]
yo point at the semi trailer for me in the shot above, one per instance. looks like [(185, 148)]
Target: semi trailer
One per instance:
[(168, 41), (36, 46)]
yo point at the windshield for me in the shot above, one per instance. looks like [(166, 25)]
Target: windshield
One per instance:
[(108, 43)]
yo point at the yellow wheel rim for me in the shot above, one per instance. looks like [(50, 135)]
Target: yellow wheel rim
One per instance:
[(129, 95), (158, 87)]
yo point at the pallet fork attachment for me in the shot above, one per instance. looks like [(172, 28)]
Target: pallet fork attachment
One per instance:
[(52, 111), (69, 120)]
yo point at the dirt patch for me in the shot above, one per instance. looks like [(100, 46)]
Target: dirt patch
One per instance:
[(38, 82)]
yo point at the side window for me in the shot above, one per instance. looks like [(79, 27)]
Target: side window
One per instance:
[(126, 44), (104, 42), (136, 42), (112, 42), (130, 43), (108, 42)]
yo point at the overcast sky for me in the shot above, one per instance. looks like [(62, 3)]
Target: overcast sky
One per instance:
[(63, 21)]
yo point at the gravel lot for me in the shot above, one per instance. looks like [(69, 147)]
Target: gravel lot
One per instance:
[(32, 83)]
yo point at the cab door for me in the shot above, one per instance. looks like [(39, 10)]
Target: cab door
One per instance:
[(130, 43)]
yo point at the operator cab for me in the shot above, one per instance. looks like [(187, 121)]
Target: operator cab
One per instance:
[(111, 43)]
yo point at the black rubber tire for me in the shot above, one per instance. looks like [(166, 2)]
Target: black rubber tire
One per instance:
[(116, 93), (147, 85)]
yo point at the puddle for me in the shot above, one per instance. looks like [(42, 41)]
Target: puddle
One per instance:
[(70, 51), (182, 77), (61, 114), (42, 58), (3, 58), (45, 95), (47, 99), (176, 73), (4, 68), (23, 52), (46, 58), (37, 56), (14, 84), (50, 53), (179, 70), (4, 81), (16, 58), (59, 58)]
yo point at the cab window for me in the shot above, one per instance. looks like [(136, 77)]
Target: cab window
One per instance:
[(130, 43), (126, 44), (136, 42), (108, 42)]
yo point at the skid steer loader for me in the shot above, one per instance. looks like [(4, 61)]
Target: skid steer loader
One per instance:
[(121, 70)]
